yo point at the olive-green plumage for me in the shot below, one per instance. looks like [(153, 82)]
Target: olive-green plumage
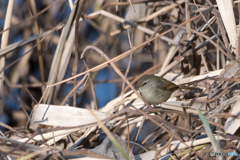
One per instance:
[(155, 89)]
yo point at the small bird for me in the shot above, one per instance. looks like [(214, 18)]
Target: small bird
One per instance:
[(155, 90)]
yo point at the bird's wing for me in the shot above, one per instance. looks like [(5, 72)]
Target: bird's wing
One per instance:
[(166, 85)]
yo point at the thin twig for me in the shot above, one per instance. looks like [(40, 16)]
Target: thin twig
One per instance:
[(74, 89), (91, 84)]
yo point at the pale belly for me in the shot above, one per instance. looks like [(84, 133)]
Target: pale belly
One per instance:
[(161, 96)]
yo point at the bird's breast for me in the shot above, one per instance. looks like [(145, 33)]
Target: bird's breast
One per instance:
[(156, 96)]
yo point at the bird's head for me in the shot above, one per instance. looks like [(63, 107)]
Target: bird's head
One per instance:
[(146, 83)]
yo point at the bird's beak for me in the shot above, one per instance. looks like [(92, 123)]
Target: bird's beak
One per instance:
[(136, 87)]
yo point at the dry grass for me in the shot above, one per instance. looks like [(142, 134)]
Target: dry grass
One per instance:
[(56, 63)]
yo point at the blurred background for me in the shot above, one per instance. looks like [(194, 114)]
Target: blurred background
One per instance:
[(28, 68), (23, 79)]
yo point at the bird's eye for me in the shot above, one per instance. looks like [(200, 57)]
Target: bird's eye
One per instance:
[(144, 83)]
